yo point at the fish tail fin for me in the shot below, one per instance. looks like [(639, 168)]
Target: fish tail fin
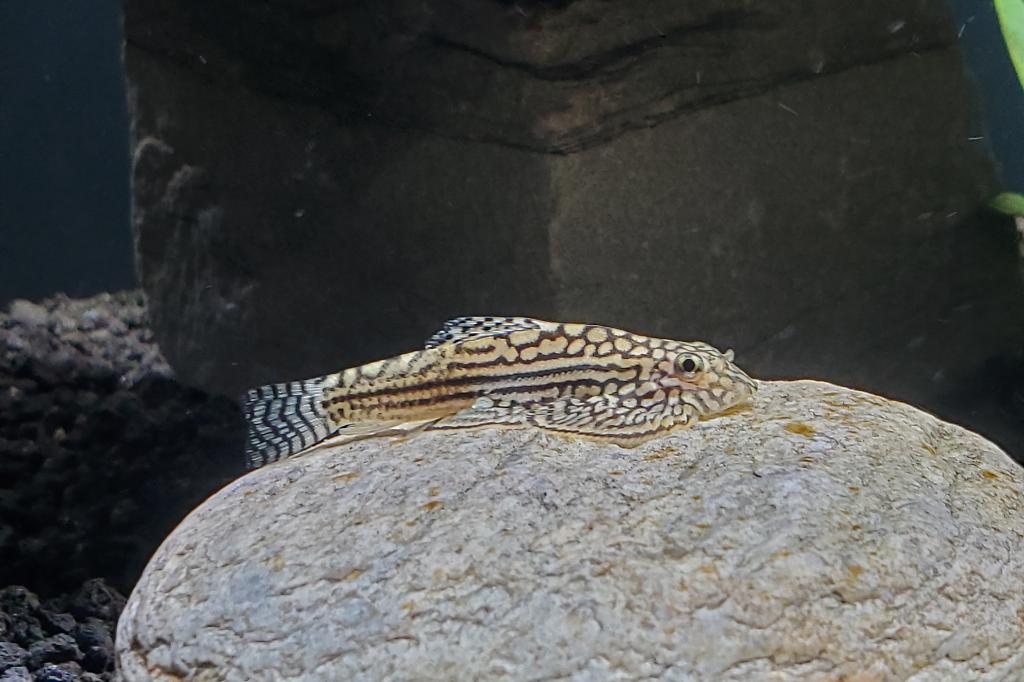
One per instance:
[(284, 419)]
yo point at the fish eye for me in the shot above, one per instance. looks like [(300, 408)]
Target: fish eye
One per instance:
[(689, 363)]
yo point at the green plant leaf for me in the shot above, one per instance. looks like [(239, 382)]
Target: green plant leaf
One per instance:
[(1011, 18), (1009, 203)]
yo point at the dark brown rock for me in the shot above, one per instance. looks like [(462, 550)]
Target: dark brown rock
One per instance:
[(317, 183)]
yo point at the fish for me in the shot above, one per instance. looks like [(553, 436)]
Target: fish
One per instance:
[(587, 381)]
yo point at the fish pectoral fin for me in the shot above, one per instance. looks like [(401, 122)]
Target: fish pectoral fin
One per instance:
[(360, 430), (407, 430), (464, 328), (486, 412), (605, 418)]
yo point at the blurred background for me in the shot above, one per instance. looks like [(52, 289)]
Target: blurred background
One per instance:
[(64, 157), (64, 161)]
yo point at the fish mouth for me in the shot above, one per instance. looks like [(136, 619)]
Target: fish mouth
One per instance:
[(745, 387), (746, 380)]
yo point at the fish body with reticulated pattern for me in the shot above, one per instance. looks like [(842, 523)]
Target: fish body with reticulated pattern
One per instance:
[(582, 380)]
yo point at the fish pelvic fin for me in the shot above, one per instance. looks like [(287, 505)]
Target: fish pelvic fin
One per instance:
[(284, 419)]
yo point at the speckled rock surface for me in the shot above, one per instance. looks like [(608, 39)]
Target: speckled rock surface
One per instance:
[(102, 450), (823, 534)]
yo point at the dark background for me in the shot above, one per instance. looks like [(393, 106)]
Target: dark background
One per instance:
[(63, 150), (64, 158)]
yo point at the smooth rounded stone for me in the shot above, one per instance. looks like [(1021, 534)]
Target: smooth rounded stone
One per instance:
[(821, 534)]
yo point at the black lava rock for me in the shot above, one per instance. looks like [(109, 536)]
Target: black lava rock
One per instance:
[(95, 640), (17, 674), (102, 451), (62, 672), (56, 649), (68, 637), (11, 656)]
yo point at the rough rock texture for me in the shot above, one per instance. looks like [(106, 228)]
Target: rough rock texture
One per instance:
[(102, 451), (68, 638), (319, 183), (823, 534)]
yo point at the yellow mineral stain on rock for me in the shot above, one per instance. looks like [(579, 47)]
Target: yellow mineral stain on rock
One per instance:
[(353, 574), (410, 523), (661, 453), (615, 473), (349, 476), (853, 489), (697, 498), (928, 448), (989, 474), (736, 409), (433, 504), (854, 570), (800, 429)]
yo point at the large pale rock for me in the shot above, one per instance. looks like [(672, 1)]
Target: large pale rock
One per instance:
[(824, 534), (321, 183)]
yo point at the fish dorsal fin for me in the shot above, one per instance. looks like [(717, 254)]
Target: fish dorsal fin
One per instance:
[(465, 328)]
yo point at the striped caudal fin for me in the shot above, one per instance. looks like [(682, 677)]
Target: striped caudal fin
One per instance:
[(284, 419)]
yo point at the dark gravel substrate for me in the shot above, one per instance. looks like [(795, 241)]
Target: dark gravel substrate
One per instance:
[(102, 452), (63, 639)]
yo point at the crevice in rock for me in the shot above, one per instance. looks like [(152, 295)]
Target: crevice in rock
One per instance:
[(595, 65), (581, 139)]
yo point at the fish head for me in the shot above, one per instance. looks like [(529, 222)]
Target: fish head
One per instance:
[(709, 380)]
